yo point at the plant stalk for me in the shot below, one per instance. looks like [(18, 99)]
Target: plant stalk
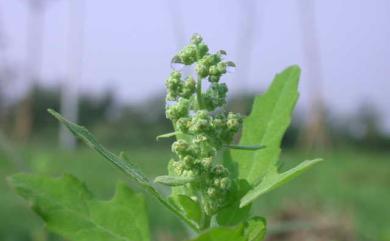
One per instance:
[(199, 93)]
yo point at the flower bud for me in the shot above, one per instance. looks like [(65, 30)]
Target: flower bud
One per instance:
[(176, 75), (178, 167), (199, 139), (202, 70), (196, 38), (188, 88), (194, 150), (180, 109), (221, 67), (200, 122), (215, 96), (221, 52), (211, 192), (180, 147), (188, 161), (217, 182), (234, 122), (214, 78), (220, 171), (206, 163), (213, 70), (182, 124), (202, 114), (225, 183), (219, 122), (174, 87), (188, 54), (203, 49)]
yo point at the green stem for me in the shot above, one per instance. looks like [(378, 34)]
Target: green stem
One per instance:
[(248, 148), (199, 93), (205, 222)]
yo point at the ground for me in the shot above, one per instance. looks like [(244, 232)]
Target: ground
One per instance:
[(345, 198)]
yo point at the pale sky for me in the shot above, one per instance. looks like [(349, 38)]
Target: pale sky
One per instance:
[(128, 45)]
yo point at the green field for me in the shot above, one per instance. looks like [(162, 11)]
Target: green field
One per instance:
[(345, 198)]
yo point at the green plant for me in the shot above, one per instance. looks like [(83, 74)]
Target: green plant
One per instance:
[(214, 181)]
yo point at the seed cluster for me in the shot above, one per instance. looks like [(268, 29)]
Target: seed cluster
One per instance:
[(203, 130)]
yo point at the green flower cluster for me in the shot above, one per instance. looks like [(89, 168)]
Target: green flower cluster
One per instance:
[(202, 127), (178, 88)]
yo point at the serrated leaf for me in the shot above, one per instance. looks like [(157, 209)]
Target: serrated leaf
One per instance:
[(266, 125), (174, 180), (222, 234), (191, 208), (70, 210), (255, 229), (124, 164), (273, 179)]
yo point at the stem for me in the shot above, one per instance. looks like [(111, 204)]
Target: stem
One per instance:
[(199, 92), (205, 222), (248, 148)]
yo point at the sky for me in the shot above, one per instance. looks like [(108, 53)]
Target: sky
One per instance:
[(127, 45)]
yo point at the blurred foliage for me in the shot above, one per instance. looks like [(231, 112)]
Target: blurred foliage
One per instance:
[(332, 192), (353, 184), (144, 121)]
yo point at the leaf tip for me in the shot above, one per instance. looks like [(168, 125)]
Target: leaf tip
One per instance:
[(55, 114), (295, 67), (243, 203), (51, 111), (159, 179)]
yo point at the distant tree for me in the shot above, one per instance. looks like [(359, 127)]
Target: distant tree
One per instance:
[(35, 30), (69, 93), (6, 74)]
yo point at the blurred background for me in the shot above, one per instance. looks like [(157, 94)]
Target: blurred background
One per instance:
[(103, 64)]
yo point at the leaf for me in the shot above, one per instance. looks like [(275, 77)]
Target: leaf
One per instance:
[(273, 179), (255, 229), (233, 214), (223, 234), (251, 230), (168, 135), (266, 125), (124, 164), (174, 180), (82, 133), (69, 209), (191, 208), (247, 148)]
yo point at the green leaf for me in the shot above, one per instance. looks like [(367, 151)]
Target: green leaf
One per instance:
[(251, 230), (266, 125), (123, 163), (223, 234), (273, 179), (255, 229), (247, 148), (174, 180), (168, 135), (233, 214), (69, 209), (191, 208)]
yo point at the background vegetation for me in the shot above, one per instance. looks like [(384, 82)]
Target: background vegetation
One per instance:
[(118, 52), (344, 198)]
